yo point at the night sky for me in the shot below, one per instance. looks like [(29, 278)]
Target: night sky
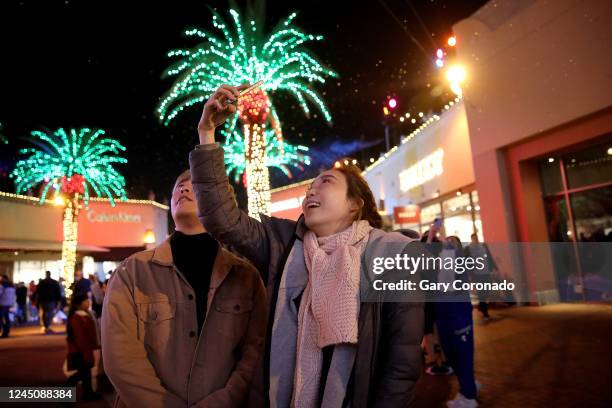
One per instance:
[(99, 64)]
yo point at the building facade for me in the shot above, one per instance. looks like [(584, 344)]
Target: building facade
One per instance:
[(539, 111), (31, 235)]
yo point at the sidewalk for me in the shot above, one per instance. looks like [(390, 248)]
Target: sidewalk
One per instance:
[(555, 356), (30, 358)]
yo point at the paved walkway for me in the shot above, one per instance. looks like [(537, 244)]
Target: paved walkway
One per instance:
[(30, 358), (552, 356)]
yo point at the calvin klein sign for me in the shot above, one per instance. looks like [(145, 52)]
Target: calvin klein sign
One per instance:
[(93, 216)]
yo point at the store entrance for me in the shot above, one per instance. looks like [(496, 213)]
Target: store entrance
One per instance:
[(577, 189)]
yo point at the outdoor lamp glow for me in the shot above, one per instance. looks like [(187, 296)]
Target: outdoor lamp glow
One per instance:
[(149, 237)]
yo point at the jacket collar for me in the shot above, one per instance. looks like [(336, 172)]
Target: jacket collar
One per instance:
[(162, 255)]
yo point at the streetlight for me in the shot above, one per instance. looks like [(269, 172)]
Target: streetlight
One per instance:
[(456, 76), (391, 105)]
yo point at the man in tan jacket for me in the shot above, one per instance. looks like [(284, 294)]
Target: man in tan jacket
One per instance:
[(183, 324)]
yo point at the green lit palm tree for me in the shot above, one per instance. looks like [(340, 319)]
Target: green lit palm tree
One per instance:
[(243, 53), (73, 165)]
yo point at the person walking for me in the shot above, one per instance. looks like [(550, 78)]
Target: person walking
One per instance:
[(477, 250), (48, 297), (21, 293), (7, 301)]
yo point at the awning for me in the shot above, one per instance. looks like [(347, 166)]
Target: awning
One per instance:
[(27, 245)]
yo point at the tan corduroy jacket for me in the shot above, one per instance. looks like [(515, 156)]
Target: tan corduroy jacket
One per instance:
[(152, 352)]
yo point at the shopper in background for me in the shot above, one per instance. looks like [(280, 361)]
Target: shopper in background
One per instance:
[(7, 301), (32, 296), (48, 296), (453, 311), (435, 359), (81, 284), (21, 293), (82, 338), (97, 296), (482, 275)]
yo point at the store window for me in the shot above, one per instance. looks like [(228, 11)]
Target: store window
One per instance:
[(476, 211), (458, 217), (581, 210), (429, 214), (26, 271), (580, 213)]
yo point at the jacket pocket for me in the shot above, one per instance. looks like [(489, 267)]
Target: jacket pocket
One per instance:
[(234, 305), (233, 316), (155, 312), (156, 323)]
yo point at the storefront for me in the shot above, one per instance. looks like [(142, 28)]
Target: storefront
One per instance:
[(287, 200), (31, 235), (540, 117), (429, 176)]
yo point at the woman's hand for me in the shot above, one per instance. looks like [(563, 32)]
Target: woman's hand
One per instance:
[(220, 106)]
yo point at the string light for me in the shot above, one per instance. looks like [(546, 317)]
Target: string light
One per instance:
[(69, 244), (406, 139), (71, 163), (36, 200), (239, 56)]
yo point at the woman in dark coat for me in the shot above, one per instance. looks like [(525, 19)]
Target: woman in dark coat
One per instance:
[(327, 344)]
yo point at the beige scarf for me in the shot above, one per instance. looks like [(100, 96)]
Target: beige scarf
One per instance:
[(329, 309)]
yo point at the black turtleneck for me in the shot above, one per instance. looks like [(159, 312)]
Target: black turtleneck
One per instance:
[(194, 256)]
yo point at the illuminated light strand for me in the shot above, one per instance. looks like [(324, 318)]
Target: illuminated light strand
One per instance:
[(69, 244), (414, 133), (237, 55), (278, 60), (36, 200)]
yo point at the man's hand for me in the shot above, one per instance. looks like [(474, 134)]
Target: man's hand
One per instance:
[(217, 109)]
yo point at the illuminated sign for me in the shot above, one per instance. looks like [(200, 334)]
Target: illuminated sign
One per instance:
[(422, 171), (93, 216), (406, 215), (289, 204)]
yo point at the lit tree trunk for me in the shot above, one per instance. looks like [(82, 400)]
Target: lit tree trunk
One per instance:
[(258, 176), (69, 245), (253, 111)]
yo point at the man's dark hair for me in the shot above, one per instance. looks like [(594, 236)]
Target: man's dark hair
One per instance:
[(48, 274)]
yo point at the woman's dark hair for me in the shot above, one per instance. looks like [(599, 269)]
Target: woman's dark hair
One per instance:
[(456, 240), (359, 190), (75, 302), (457, 243)]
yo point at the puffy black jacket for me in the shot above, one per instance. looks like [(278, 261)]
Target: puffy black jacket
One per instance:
[(388, 360)]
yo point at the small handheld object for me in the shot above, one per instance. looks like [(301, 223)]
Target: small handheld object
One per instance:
[(245, 91), (437, 223)]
